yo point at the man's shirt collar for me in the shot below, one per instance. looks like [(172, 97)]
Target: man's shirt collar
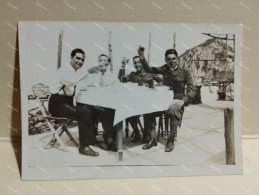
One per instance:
[(172, 69)]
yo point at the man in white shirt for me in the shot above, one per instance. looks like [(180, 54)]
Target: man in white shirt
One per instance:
[(99, 77), (61, 102)]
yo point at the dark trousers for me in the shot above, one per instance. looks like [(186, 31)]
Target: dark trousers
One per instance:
[(62, 106), (106, 117), (134, 120), (175, 113), (150, 125)]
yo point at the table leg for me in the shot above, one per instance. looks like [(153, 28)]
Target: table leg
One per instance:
[(120, 140)]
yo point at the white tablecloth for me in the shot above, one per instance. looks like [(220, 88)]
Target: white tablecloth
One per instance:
[(128, 99)]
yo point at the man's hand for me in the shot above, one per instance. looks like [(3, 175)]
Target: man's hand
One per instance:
[(124, 79), (159, 84), (179, 103), (124, 62), (141, 51), (175, 108)]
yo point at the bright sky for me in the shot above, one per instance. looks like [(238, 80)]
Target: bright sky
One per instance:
[(38, 43)]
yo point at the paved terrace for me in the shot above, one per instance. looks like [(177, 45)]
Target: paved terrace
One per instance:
[(200, 141)]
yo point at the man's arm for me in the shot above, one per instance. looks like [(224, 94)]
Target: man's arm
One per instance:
[(146, 67), (94, 69), (66, 79), (191, 90), (158, 78), (121, 74), (71, 82), (125, 79)]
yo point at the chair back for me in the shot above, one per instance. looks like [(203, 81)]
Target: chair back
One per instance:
[(42, 107)]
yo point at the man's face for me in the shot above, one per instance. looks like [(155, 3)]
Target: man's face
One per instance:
[(137, 64), (171, 60), (77, 61), (103, 63)]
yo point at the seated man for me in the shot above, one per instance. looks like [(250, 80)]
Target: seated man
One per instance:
[(143, 77), (61, 101), (176, 78), (99, 78), (134, 120)]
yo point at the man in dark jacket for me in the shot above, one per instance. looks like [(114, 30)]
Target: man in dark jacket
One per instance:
[(142, 77), (177, 79)]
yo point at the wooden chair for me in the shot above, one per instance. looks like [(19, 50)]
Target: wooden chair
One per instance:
[(63, 124), (163, 125)]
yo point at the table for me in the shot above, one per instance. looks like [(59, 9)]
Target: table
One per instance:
[(128, 99)]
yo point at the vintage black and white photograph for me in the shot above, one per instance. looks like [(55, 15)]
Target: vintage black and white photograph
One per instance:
[(114, 100)]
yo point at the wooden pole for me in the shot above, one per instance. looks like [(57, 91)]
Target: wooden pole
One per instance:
[(234, 45), (227, 45), (229, 135), (217, 37), (149, 48), (60, 39), (110, 51), (174, 40), (119, 127)]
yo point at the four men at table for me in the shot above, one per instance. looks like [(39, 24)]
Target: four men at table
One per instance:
[(61, 101)]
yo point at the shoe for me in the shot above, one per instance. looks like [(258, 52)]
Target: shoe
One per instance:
[(88, 151), (112, 146), (150, 144), (169, 146), (101, 144), (136, 138)]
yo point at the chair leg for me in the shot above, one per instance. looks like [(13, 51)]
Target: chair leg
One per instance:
[(160, 127), (70, 136), (127, 128), (166, 126), (54, 140), (51, 142), (140, 125)]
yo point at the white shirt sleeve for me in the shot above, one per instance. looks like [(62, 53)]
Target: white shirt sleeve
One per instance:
[(66, 78)]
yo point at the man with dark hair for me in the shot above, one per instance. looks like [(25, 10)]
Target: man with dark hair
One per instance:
[(102, 114), (77, 50), (141, 77), (103, 62), (177, 79), (61, 102)]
